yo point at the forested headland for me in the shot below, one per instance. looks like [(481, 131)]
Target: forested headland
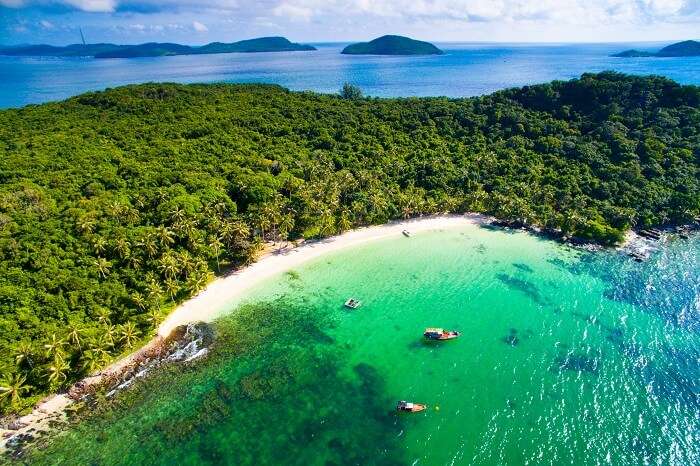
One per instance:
[(116, 205)]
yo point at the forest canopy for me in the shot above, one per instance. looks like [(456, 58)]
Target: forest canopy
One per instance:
[(116, 205)]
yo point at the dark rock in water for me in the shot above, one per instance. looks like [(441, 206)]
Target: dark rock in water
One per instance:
[(523, 286), (523, 267)]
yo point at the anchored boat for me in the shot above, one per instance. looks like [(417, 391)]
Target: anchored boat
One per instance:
[(440, 334), (406, 233), (353, 303), (410, 407)]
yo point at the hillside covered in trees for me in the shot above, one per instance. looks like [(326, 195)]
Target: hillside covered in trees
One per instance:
[(116, 205)]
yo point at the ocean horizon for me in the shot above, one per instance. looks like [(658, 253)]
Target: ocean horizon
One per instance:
[(466, 69)]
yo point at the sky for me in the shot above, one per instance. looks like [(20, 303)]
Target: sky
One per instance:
[(197, 22)]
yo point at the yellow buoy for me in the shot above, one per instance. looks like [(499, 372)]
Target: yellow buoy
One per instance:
[(437, 408)]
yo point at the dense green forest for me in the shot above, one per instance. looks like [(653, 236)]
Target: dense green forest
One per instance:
[(116, 205)]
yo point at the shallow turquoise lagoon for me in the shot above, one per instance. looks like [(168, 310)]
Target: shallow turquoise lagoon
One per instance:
[(566, 357)]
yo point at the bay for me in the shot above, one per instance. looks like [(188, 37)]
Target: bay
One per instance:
[(566, 357)]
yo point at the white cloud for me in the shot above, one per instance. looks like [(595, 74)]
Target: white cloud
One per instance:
[(293, 12), (46, 24), (199, 27), (93, 6)]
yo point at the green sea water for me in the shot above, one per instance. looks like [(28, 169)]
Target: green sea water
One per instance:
[(566, 357)]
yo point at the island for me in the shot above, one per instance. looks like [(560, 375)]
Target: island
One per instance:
[(118, 205), (156, 49), (688, 48), (392, 45)]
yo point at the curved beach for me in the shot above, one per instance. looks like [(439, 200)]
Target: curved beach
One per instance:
[(209, 303)]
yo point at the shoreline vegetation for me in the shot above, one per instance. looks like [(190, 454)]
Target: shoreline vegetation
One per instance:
[(116, 206)]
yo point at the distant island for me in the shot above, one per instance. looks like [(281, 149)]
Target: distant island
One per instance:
[(156, 49), (392, 45), (688, 48)]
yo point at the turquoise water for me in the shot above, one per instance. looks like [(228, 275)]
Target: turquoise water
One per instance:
[(566, 357), (465, 70)]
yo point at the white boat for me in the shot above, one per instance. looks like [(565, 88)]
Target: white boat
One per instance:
[(353, 303), (406, 233)]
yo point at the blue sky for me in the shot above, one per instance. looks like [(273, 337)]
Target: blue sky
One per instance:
[(197, 22)]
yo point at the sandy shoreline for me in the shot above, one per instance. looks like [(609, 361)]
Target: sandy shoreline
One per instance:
[(208, 304), (220, 293)]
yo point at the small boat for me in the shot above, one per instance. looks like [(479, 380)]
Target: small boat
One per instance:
[(410, 407), (440, 334), (353, 303), (406, 233)]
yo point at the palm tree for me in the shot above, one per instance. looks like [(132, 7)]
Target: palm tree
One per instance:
[(129, 334), (134, 261), (108, 337), (75, 335), (122, 247), (154, 291), (165, 236), (186, 262), (86, 224), (24, 353), (138, 300), (103, 266), (168, 265), (263, 222), (54, 346), (215, 245), (344, 223), (286, 225), (99, 245), (56, 373), (148, 243), (91, 360), (103, 315), (154, 318), (172, 287), (13, 386), (327, 227)]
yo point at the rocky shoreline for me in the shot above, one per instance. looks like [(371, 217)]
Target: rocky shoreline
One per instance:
[(184, 344)]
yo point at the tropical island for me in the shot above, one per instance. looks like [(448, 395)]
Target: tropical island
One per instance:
[(156, 49), (688, 48), (392, 45), (116, 206)]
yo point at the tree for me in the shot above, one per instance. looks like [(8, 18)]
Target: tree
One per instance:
[(54, 346), (57, 372), (75, 335), (103, 266), (13, 386), (350, 92), (129, 334), (24, 354)]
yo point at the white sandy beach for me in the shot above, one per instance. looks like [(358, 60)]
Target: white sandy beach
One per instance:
[(210, 302), (220, 293)]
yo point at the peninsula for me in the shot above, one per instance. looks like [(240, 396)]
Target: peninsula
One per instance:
[(688, 48), (156, 49), (392, 45)]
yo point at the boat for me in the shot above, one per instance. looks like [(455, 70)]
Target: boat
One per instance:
[(440, 334), (410, 407), (406, 233), (353, 303)]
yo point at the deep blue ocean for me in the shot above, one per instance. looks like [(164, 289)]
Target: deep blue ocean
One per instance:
[(466, 69)]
